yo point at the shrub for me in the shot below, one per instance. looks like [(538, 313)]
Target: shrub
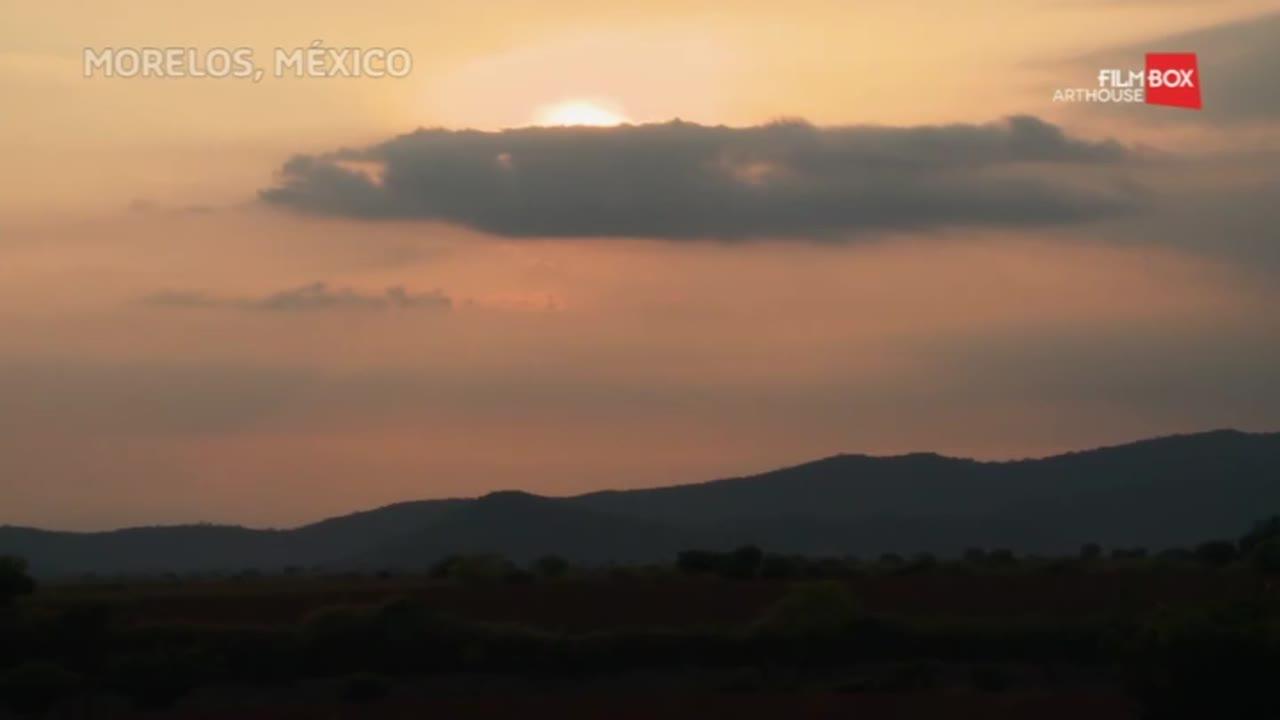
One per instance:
[(1261, 532), (154, 680), (695, 561), (780, 566), (1175, 556), (816, 608), (1137, 553), (745, 561), (742, 563), (261, 657), (1203, 665), (81, 630), (829, 567), (1266, 557), (1216, 553), (989, 678), (1002, 557), (1061, 566), (551, 566), (334, 637), (483, 568), (14, 580), (924, 561), (910, 676), (34, 687), (364, 687)]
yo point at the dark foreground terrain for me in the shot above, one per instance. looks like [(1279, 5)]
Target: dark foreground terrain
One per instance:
[(1183, 633)]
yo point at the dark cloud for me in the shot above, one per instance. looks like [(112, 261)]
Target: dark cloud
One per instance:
[(316, 296), (685, 181)]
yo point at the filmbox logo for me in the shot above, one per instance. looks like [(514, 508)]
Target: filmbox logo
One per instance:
[(1170, 79), (1173, 79)]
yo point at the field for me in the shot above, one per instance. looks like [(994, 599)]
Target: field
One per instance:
[(479, 638), (604, 602)]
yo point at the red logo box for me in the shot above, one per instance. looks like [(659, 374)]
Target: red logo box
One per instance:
[(1173, 79)]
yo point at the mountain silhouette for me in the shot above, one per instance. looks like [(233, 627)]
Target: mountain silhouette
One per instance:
[(523, 527), (1157, 493)]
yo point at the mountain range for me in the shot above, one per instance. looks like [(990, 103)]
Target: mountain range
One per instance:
[(1156, 493)]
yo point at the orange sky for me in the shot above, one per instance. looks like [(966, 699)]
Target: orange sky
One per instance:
[(163, 360)]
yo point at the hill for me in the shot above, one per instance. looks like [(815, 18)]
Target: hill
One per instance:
[(1154, 493)]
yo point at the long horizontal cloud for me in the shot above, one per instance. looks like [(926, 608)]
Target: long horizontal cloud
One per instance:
[(313, 297), (681, 180)]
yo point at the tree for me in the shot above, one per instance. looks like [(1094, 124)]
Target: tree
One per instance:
[(1216, 553), (696, 561), (891, 560), (1136, 553), (551, 566), (14, 580), (1002, 556), (1266, 557), (745, 561), (741, 563), (781, 566), (1090, 552), (1176, 555), (1261, 532), (487, 567), (924, 561)]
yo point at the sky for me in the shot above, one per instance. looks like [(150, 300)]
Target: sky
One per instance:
[(590, 245)]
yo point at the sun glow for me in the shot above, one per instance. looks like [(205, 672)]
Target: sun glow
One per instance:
[(579, 112)]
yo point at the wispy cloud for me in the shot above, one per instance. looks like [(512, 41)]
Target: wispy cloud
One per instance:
[(316, 296)]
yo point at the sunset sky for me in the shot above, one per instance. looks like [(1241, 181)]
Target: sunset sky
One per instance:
[(872, 231)]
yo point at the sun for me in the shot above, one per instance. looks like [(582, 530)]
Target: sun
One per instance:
[(579, 112)]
